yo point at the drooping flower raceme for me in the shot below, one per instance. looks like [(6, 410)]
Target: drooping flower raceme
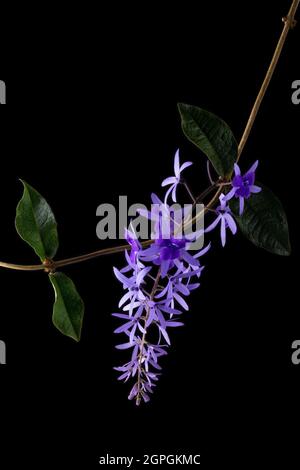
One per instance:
[(158, 280), (149, 309)]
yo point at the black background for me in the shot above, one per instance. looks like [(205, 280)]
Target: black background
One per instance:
[(92, 115)]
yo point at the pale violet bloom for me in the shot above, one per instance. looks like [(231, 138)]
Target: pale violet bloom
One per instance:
[(173, 181), (224, 218)]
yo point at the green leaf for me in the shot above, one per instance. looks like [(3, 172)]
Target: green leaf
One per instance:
[(264, 222), (211, 135), (68, 309), (36, 224)]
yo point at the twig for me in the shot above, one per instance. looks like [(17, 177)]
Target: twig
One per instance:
[(289, 23), (53, 265)]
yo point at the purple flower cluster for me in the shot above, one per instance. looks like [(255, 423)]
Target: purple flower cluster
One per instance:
[(157, 281), (148, 315)]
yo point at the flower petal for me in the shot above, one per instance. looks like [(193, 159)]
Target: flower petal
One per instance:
[(124, 346), (167, 181), (132, 334), (184, 166), (237, 170), (168, 194), (223, 231), (161, 318), (230, 194), (165, 335), (174, 323), (181, 301), (155, 200), (203, 251), (176, 164), (214, 224), (182, 289), (242, 204), (171, 311), (165, 265), (131, 306), (174, 193), (189, 258), (125, 298), (121, 315), (255, 189), (126, 375), (253, 167), (124, 327), (231, 223)]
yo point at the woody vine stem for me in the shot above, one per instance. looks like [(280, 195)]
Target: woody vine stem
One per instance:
[(52, 265)]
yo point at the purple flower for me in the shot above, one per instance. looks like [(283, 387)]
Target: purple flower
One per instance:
[(168, 249), (243, 185), (133, 284), (173, 181), (167, 253), (225, 218)]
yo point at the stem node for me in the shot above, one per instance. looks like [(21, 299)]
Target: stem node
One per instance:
[(49, 266)]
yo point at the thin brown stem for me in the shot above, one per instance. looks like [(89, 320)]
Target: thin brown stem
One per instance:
[(205, 193), (289, 22), (69, 261), (22, 267), (189, 192), (96, 254)]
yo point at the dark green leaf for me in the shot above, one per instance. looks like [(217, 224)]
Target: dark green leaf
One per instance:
[(264, 222), (211, 135), (36, 224), (68, 307)]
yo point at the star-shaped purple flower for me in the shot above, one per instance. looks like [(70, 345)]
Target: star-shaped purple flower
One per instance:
[(167, 252), (243, 185), (225, 218), (173, 181)]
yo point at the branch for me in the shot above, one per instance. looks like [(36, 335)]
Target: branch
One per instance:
[(289, 22), (51, 265)]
